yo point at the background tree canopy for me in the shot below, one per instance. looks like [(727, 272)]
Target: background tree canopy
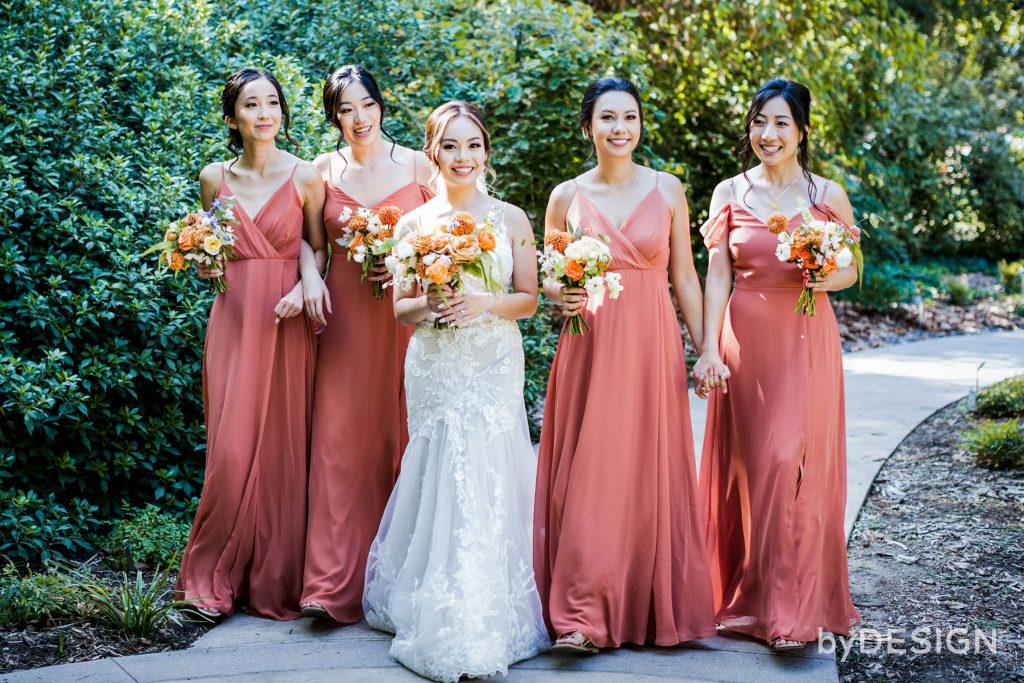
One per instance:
[(112, 107)]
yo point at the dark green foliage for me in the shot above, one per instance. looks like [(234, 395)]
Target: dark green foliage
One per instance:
[(1011, 276), (130, 605), (959, 291), (1003, 399), (540, 340), (147, 536), (33, 527), (44, 598), (996, 445)]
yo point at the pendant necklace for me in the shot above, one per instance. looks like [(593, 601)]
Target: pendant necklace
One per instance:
[(774, 203)]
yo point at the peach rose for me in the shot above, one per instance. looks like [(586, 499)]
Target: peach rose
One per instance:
[(438, 272), (464, 249), (486, 238), (187, 238), (573, 269)]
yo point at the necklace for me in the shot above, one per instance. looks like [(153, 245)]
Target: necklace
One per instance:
[(624, 186), (774, 203)]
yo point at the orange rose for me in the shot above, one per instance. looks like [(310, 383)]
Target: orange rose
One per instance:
[(421, 243), (558, 241), (573, 269), (389, 215), (191, 219), (438, 272), (187, 238), (175, 261), (462, 223), (464, 249), (777, 223), (486, 238)]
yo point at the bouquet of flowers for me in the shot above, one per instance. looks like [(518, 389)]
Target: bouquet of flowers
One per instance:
[(447, 252), (817, 247), (575, 259), (369, 237), (204, 237)]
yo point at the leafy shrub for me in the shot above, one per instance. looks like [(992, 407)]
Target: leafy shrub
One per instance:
[(132, 606), (996, 445), (45, 597), (147, 537), (1002, 399), (1011, 276), (540, 340), (34, 528), (959, 291)]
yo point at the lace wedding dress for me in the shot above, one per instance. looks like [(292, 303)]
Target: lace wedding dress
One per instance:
[(451, 571)]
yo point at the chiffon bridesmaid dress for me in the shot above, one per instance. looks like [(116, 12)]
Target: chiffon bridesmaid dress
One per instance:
[(359, 420), (618, 549), (773, 470), (248, 538)]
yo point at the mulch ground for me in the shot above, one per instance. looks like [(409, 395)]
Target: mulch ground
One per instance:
[(938, 546)]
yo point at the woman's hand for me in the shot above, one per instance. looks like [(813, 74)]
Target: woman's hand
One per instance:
[(210, 272), (379, 272), (469, 306), (835, 281), (573, 300), (710, 373), (440, 298), (315, 298), (290, 304)]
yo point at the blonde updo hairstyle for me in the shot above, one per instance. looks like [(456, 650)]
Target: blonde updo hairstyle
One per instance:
[(438, 121)]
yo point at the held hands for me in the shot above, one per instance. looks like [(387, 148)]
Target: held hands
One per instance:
[(573, 300), (461, 307), (710, 373), (209, 272)]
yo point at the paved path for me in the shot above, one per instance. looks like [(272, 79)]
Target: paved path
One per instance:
[(888, 392)]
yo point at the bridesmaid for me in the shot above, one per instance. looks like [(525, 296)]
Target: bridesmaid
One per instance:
[(617, 532), (359, 418), (773, 471), (248, 538)]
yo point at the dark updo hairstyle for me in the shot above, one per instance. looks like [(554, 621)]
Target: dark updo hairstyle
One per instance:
[(229, 97), (798, 97), (333, 89), (600, 87)]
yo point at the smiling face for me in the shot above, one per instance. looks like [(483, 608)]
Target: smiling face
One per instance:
[(615, 125), (461, 154), (257, 111), (358, 115), (774, 134)]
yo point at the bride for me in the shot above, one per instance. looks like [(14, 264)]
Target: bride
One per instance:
[(450, 572)]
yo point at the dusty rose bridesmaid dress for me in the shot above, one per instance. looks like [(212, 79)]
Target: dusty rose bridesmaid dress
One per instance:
[(359, 421), (773, 469), (618, 551), (248, 538)]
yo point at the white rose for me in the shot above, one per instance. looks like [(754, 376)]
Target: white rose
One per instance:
[(844, 257), (404, 250)]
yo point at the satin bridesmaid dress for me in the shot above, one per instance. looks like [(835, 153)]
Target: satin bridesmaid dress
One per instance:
[(359, 420), (773, 469), (618, 549), (248, 538)]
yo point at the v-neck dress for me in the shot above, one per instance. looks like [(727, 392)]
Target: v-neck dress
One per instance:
[(773, 467), (247, 541), (359, 420), (618, 549)]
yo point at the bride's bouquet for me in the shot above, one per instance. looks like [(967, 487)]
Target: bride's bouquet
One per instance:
[(446, 253), (369, 238), (817, 247), (575, 259), (202, 237)]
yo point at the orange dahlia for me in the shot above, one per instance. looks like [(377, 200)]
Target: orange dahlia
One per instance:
[(357, 222), (175, 261), (558, 241), (777, 223), (389, 215), (462, 223), (421, 243)]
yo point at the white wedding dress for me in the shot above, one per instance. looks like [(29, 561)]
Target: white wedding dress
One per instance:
[(451, 570)]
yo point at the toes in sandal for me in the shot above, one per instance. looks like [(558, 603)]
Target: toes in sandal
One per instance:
[(314, 610), (574, 643), (781, 644)]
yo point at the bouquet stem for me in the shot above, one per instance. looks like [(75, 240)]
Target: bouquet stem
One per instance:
[(805, 304), (576, 325), (220, 284), (378, 290)]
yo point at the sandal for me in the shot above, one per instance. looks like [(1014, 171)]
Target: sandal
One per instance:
[(204, 613), (574, 643), (314, 610), (781, 644)]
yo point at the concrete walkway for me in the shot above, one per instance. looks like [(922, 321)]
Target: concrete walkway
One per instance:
[(889, 391)]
